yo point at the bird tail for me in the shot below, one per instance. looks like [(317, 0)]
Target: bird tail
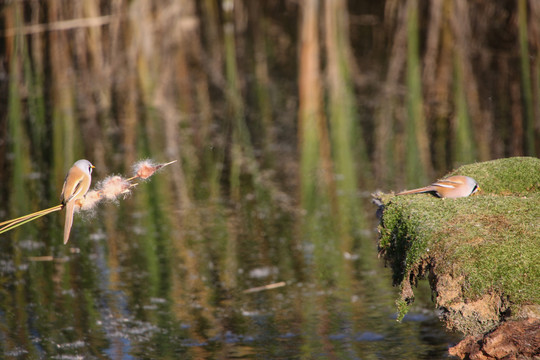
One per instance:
[(416, 191), (70, 208)]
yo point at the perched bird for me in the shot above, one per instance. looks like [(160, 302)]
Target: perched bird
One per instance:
[(75, 187), (452, 187)]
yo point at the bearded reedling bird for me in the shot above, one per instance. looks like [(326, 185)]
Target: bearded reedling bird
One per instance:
[(75, 187), (452, 187)]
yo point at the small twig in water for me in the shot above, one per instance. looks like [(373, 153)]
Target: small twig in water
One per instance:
[(265, 287)]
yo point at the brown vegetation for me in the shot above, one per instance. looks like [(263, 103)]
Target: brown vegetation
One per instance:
[(512, 340)]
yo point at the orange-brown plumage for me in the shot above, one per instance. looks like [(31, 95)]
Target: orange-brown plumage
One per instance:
[(451, 187), (76, 185)]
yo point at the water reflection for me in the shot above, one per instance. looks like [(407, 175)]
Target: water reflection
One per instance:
[(275, 128), (133, 284)]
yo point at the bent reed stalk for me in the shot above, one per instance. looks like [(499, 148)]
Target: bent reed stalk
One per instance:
[(109, 188), (13, 223)]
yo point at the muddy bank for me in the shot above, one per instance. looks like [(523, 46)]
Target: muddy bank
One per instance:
[(481, 254), (510, 340)]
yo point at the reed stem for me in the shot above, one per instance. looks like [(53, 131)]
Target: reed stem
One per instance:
[(417, 157), (32, 214), (526, 81), (13, 223)]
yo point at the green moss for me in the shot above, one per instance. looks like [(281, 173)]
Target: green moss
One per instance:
[(511, 176), (402, 308), (491, 240)]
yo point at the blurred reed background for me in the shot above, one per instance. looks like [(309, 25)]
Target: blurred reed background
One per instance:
[(269, 107), (385, 95)]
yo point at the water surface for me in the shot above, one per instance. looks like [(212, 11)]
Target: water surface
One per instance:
[(132, 285)]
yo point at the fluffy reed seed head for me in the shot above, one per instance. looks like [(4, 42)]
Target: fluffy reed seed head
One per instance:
[(109, 188), (114, 186), (89, 201), (146, 168)]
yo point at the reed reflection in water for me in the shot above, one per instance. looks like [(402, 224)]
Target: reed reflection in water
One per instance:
[(127, 288), (283, 117)]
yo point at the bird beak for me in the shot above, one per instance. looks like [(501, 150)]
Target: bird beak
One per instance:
[(92, 166)]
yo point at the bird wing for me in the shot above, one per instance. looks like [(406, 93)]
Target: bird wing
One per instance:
[(72, 188), (451, 184)]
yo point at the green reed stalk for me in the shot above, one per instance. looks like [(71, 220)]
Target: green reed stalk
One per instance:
[(417, 157), (62, 97), (464, 149), (210, 156), (526, 82), (241, 148), (33, 79), (388, 158), (309, 116), (345, 135), (317, 192), (19, 199), (143, 137), (262, 78), (154, 242)]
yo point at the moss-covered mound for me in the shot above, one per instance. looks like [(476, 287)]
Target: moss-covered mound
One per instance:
[(482, 253)]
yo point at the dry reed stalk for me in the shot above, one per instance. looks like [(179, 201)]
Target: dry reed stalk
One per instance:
[(60, 25), (309, 86), (41, 258), (25, 217), (314, 143), (12, 224)]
